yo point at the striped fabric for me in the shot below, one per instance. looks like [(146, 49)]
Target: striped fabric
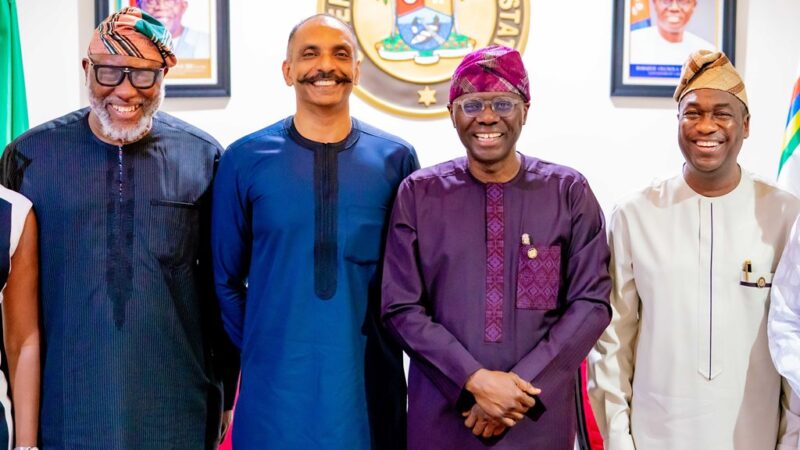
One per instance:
[(14, 209), (132, 341), (6, 418), (133, 32), (789, 167)]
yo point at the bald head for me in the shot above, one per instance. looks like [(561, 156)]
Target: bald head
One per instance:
[(322, 19)]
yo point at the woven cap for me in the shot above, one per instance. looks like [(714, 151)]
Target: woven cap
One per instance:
[(710, 70), (492, 69), (132, 32)]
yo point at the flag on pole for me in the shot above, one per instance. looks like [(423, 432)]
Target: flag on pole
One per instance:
[(789, 169), (12, 83)]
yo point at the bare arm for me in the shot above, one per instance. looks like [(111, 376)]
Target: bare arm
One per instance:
[(21, 333)]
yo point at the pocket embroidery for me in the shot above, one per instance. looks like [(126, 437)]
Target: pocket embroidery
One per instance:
[(538, 277)]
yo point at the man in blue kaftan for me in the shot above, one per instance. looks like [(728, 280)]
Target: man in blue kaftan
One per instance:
[(299, 215)]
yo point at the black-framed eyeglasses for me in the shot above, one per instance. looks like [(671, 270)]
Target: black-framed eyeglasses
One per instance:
[(502, 106), (111, 76)]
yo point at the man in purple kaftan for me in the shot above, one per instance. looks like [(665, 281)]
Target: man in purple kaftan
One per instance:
[(495, 278)]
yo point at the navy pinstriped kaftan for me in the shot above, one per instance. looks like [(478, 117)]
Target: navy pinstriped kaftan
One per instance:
[(130, 321)]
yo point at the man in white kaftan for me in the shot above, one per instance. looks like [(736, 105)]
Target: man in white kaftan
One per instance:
[(685, 363), (783, 326)]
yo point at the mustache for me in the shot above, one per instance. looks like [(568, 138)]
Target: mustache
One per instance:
[(322, 75)]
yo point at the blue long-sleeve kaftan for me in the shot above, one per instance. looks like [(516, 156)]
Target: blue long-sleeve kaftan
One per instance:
[(297, 233)]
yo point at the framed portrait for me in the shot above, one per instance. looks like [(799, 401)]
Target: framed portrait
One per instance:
[(201, 41), (653, 39)]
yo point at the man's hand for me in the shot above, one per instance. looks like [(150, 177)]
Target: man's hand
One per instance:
[(503, 396), (481, 424), (225, 424)]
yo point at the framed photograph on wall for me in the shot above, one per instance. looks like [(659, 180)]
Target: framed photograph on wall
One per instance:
[(653, 38), (200, 33)]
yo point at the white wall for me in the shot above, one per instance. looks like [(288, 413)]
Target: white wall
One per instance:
[(620, 144)]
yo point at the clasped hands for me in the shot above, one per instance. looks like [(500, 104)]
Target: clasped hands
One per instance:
[(501, 400)]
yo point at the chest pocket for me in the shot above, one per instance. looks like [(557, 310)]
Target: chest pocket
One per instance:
[(173, 232), (364, 234), (755, 280), (538, 276)]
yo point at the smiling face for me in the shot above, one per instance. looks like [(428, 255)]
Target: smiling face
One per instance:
[(490, 140), (321, 64), (672, 17), (121, 114), (712, 127)]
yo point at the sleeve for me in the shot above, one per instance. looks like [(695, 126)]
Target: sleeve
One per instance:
[(553, 364), (12, 167), (384, 375), (231, 241), (411, 163), (20, 207), (611, 372), (440, 356), (783, 325), (224, 356), (789, 431)]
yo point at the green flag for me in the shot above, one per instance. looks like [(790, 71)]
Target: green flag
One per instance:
[(14, 116)]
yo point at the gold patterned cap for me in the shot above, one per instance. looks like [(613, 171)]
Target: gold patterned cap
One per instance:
[(710, 70)]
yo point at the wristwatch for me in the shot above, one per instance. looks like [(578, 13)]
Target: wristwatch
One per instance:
[(26, 448)]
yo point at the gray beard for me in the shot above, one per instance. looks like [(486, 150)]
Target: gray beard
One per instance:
[(129, 134)]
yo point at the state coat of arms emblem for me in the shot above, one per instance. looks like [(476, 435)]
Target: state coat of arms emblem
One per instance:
[(410, 48)]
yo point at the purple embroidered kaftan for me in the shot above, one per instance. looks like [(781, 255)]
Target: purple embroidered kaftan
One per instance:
[(553, 307)]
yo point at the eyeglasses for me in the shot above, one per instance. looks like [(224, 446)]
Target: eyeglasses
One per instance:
[(502, 106), (680, 2), (111, 76)]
